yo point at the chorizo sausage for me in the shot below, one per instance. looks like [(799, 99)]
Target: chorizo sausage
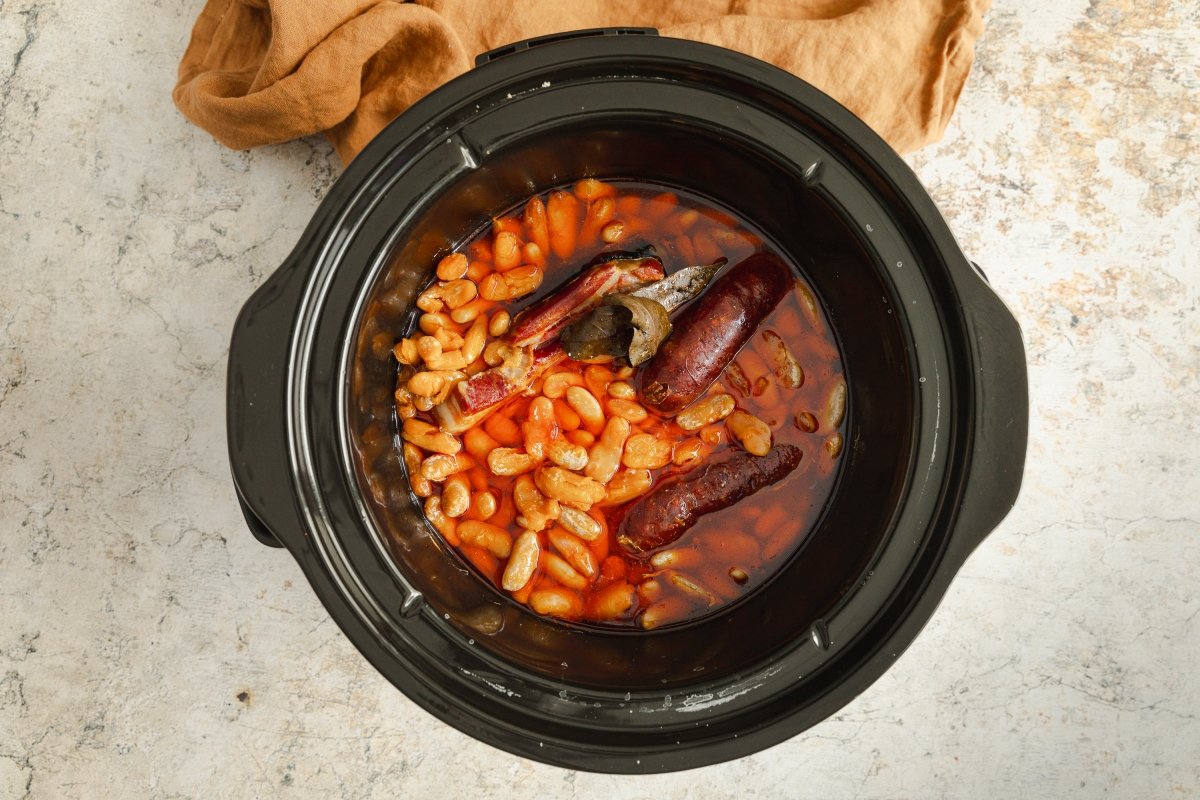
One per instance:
[(711, 332), (662, 516)]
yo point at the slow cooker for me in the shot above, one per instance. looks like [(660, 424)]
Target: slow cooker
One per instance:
[(935, 364)]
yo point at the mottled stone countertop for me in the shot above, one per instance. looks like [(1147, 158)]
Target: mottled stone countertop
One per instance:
[(149, 647)]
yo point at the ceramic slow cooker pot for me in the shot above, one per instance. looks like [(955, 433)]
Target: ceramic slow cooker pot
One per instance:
[(936, 427)]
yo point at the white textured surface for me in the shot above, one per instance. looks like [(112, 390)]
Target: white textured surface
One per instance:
[(135, 607)]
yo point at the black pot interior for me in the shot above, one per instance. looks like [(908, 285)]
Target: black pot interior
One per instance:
[(822, 240)]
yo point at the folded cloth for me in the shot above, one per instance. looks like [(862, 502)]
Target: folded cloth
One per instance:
[(263, 71)]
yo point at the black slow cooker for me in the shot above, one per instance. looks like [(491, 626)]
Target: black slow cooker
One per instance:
[(936, 431)]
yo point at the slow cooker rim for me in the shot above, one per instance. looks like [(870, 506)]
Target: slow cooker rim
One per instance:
[(317, 498)]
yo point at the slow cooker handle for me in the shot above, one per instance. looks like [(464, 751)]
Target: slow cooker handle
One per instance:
[(1002, 413), (256, 410), (525, 44)]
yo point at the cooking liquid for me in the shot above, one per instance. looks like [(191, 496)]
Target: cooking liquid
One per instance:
[(728, 553)]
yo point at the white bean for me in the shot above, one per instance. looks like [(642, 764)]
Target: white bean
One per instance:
[(579, 523), (561, 571), (574, 551), (577, 491), (585, 404), (706, 412), (835, 406), (567, 455), (605, 456), (522, 562)]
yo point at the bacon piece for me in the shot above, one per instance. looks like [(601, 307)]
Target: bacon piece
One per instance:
[(545, 319)]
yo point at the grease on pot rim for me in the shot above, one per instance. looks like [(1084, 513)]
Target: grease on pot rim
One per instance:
[(588, 433)]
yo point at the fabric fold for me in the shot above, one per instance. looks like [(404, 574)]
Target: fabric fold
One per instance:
[(263, 71)]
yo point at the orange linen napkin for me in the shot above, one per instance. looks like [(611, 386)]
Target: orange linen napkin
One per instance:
[(263, 71)]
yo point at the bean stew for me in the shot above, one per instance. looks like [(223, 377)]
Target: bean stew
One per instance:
[(592, 460)]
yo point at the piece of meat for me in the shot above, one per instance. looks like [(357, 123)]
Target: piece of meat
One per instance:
[(662, 516), (709, 334)]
